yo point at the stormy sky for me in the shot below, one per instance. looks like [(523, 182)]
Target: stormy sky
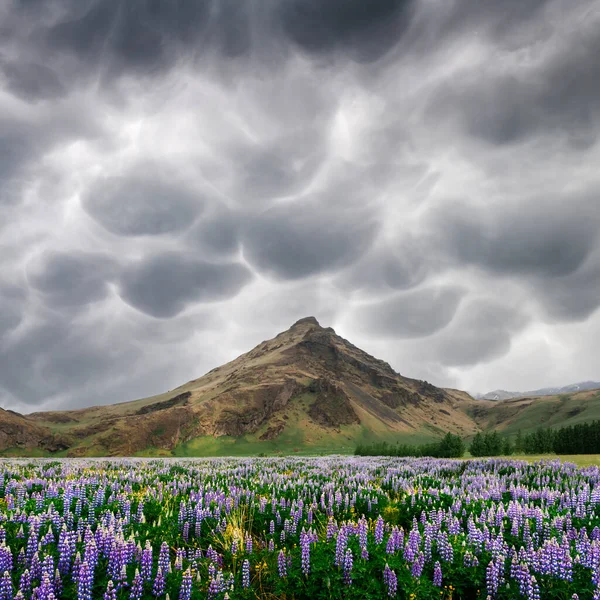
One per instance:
[(181, 180)]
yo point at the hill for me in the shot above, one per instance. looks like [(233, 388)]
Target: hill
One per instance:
[(527, 414), (307, 389), (582, 386)]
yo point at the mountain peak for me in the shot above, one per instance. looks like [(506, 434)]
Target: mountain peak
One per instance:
[(307, 321)]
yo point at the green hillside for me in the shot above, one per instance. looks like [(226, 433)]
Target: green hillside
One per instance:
[(528, 414)]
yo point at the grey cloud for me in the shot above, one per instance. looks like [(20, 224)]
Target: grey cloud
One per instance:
[(20, 361), (32, 81), (415, 314), (291, 241), (10, 317), (71, 279), (401, 265), (557, 97), (482, 331), (56, 358), (280, 167), (573, 297), (216, 233), (163, 285), (499, 19), (137, 34), (26, 137), (16, 147), (541, 237), (144, 202), (364, 31)]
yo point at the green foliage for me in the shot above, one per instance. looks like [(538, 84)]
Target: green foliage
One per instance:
[(451, 446), (490, 444), (583, 438)]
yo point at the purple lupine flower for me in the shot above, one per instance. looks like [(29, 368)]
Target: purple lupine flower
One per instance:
[(271, 546), (185, 591), (535, 590), (246, 573), (214, 588), (6, 559), (25, 583), (437, 574), (110, 593), (281, 564), (379, 530), (248, 544), (331, 528), (391, 581), (340, 546), (305, 548), (163, 557), (6, 587), (417, 566), (179, 558), (58, 584), (348, 563), (137, 587), (146, 562), (158, 587), (85, 580), (492, 579)]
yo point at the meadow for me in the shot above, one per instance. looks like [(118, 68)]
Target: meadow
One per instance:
[(294, 528)]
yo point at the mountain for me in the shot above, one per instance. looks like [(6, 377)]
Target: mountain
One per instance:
[(550, 391), (305, 389)]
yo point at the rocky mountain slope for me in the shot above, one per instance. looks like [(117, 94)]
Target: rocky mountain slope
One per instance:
[(305, 388)]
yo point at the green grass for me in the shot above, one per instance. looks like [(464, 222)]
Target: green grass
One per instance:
[(25, 452), (551, 411), (297, 439), (581, 460)]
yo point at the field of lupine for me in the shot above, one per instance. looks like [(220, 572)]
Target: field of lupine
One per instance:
[(291, 528)]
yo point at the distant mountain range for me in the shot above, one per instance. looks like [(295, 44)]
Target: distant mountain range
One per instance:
[(582, 386)]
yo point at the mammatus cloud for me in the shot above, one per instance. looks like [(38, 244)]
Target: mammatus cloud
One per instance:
[(182, 180)]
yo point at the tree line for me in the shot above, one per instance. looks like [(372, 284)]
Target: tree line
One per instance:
[(583, 438), (450, 446)]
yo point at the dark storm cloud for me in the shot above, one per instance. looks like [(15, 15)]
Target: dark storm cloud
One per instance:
[(279, 167), (482, 330), (364, 31), (20, 362), (401, 265), (573, 297), (292, 241), (10, 317), (56, 358), (180, 179), (216, 233), (497, 18), (71, 279), (557, 96), (534, 237), (134, 34), (31, 81), (143, 202), (414, 314), (162, 285)]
